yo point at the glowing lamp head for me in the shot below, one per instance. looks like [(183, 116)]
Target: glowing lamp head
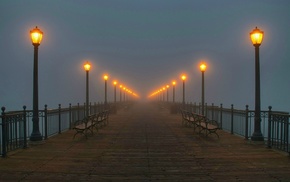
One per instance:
[(183, 77), (173, 83), (121, 86), (87, 66), (36, 36), (202, 67), (167, 86), (257, 36), (115, 82), (106, 77)]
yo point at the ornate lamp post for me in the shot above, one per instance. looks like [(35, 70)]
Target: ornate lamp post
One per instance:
[(121, 86), (173, 91), (257, 38), (106, 78), (115, 91), (115, 96), (183, 77), (124, 94), (202, 69), (87, 68), (167, 87), (163, 94), (36, 37)]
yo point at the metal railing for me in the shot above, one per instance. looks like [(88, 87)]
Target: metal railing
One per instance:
[(275, 125), (16, 126)]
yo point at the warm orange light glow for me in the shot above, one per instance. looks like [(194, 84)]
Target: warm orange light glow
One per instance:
[(167, 86), (36, 35), (183, 77), (173, 83), (121, 86), (163, 88), (106, 77), (202, 67), (87, 66), (257, 36), (115, 82)]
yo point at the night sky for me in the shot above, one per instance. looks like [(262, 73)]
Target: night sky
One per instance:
[(145, 44)]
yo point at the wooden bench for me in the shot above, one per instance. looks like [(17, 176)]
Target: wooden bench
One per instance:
[(207, 125), (89, 123), (189, 119), (200, 122), (101, 119), (84, 125)]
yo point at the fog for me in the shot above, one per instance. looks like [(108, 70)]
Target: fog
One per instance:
[(144, 45)]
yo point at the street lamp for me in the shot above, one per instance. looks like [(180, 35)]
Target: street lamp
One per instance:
[(202, 69), (183, 77), (124, 94), (36, 37), (115, 91), (163, 91), (257, 38), (115, 97), (87, 68), (121, 93), (106, 78), (167, 87), (173, 91)]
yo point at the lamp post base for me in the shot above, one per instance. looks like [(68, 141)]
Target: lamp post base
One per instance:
[(257, 136), (35, 137)]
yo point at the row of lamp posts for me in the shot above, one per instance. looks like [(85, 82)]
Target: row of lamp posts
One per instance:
[(256, 37)]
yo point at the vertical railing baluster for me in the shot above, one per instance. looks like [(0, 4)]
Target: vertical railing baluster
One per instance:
[(45, 123), (84, 113), (24, 128), (221, 117), (232, 119), (59, 118), (212, 111), (247, 123), (3, 132), (269, 127), (70, 117)]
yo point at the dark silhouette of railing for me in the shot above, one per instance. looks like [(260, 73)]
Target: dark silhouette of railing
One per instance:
[(16, 126)]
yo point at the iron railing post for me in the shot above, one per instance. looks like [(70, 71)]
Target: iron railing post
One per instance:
[(247, 123), (3, 132), (232, 119), (86, 112), (212, 111), (45, 123), (24, 128), (90, 108), (59, 118), (70, 116), (269, 127), (221, 116)]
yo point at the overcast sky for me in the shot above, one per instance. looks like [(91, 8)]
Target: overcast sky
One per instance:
[(145, 44)]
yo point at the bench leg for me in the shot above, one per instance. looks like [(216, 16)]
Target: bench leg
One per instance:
[(213, 131), (80, 132)]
